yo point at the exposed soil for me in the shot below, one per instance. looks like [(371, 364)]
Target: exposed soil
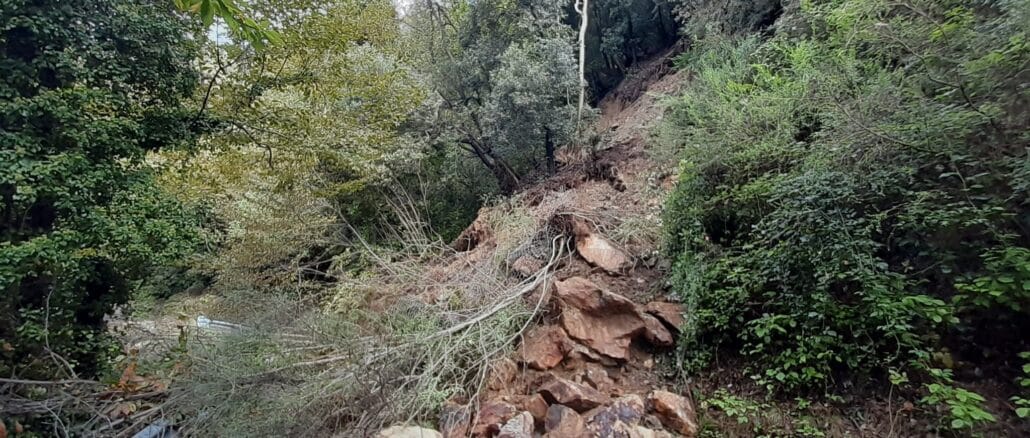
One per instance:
[(618, 190)]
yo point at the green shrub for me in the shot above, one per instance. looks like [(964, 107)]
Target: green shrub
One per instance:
[(853, 200), (86, 88)]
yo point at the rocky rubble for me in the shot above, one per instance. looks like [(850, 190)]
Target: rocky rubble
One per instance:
[(587, 367), (584, 414), (563, 385)]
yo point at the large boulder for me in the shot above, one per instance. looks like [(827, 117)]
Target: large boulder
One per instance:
[(675, 412), (605, 321), (565, 392)]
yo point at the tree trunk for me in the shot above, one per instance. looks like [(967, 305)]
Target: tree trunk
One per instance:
[(549, 151), (584, 12), (506, 178)]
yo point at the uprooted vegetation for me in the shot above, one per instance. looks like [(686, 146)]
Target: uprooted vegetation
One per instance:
[(352, 369)]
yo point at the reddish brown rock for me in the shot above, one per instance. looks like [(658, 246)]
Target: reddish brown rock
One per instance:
[(571, 394), (520, 426), (584, 295), (602, 320), (491, 416), (582, 353), (544, 347), (598, 251), (618, 419), (669, 313), (675, 412), (454, 420), (563, 422), (656, 333), (502, 374), (598, 377), (537, 406)]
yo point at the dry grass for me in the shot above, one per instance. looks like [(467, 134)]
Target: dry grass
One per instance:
[(390, 344)]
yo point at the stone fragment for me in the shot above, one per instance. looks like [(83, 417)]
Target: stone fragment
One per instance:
[(544, 347), (618, 419), (408, 432), (563, 422), (502, 374), (598, 251), (669, 313), (537, 406), (491, 416), (598, 377), (520, 426), (571, 394), (675, 412), (656, 333)]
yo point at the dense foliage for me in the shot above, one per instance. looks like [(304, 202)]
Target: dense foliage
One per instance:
[(853, 198), (86, 88), (504, 81)]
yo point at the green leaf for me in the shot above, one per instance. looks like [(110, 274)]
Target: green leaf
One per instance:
[(207, 12)]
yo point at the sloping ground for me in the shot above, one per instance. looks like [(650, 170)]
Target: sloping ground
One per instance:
[(587, 365)]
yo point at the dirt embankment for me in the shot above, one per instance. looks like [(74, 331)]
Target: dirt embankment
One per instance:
[(587, 365)]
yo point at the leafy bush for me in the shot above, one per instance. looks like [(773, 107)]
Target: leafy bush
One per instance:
[(854, 199), (87, 88)]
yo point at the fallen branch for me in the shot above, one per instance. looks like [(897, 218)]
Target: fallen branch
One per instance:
[(50, 382)]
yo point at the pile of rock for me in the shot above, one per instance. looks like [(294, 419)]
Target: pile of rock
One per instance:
[(595, 330), (565, 409), (571, 367)]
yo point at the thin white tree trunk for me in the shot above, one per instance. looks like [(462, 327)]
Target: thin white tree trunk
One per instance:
[(584, 13)]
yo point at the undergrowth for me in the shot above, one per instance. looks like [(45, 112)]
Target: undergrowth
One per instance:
[(397, 334), (853, 200)]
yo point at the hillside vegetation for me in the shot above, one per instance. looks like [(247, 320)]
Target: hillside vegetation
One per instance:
[(328, 217), (852, 205)]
